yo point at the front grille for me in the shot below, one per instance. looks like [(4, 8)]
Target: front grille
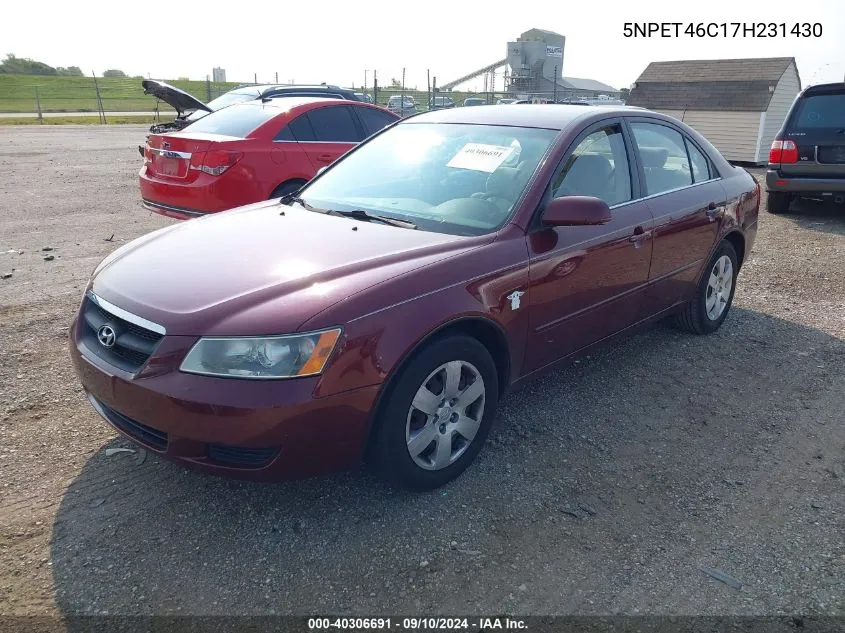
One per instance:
[(145, 434), (831, 154), (133, 344), (239, 456)]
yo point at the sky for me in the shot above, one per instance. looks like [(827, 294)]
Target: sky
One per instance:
[(343, 42)]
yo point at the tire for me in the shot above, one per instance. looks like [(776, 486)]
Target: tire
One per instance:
[(778, 202), (286, 188), (402, 427), (704, 315)]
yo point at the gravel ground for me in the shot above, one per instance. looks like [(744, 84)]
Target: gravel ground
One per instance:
[(606, 488)]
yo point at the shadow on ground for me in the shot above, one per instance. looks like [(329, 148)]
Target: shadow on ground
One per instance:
[(605, 488), (825, 217)]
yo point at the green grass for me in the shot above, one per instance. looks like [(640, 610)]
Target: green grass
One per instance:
[(77, 94), (76, 120)]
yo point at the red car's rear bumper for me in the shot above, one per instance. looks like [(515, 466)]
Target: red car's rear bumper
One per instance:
[(252, 429), (187, 198)]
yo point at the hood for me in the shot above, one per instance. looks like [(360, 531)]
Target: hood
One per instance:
[(253, 271), (178, 99)]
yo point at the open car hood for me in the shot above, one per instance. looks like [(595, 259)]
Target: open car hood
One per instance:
[(180, 100)]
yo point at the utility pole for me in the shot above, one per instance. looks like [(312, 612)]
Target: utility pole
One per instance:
[(402, 107), (375, 87), (277, 76), (38, 105), (365, 82), (428, 81), (100, 109)]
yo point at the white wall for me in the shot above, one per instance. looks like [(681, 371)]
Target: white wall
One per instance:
[(734, 134), (787, 89)]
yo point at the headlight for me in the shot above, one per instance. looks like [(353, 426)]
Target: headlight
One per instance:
[(264, 357)]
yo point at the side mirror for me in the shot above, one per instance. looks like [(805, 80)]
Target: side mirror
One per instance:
[(576, 211)]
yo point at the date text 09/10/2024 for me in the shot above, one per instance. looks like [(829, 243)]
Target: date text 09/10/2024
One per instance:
[(417, 624), (722, 29)]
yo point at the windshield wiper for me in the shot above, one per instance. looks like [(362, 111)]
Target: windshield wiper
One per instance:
[(361, 214)]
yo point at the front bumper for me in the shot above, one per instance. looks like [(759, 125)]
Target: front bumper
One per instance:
[(249, 429), (825, 187)]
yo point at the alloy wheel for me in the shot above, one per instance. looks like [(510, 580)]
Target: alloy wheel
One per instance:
[(445, 415), (719, 287)]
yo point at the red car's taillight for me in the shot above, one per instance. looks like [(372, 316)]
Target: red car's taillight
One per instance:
[(783, 152), (219, 160)]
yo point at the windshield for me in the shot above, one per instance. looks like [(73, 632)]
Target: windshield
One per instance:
[(227, 99), (461, 179)]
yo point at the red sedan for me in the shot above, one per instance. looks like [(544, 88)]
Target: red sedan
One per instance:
[(251, 152)]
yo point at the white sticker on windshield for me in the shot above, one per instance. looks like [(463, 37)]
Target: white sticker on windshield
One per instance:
[(480, 157)]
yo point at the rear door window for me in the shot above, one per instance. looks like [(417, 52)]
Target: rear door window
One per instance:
[(297, 130), (699, 163), (334, 124), (664, 157), (373, 120), (820, 112), (236, 120)]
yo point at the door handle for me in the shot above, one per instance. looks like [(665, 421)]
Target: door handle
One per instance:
[(714, 210), (325, 158), (640, 235)]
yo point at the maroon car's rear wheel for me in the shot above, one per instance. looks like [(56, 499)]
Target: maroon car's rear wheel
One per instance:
[(437, 413), (715, 293)]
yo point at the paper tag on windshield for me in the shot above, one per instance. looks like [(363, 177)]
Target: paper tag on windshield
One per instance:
[(480, 157)]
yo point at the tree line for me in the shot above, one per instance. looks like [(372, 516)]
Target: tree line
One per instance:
[(14, 65)]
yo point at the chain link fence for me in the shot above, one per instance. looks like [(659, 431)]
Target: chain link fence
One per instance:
[(31, 95), (27, 94)]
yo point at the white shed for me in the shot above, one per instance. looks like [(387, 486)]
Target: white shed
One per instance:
[(738, 104)]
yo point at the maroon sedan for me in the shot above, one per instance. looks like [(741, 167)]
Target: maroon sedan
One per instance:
[(383, 311)]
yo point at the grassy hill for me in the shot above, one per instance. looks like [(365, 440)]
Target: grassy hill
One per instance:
[(77, 94)]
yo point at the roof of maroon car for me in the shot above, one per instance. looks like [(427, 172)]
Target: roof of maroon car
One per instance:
[(550, 116)]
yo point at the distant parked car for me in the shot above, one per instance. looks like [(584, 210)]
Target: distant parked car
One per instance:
[(475, 101), (189, 108), (807, 157), (402, 106), (439, 103), (505, 101), (366, 98), (251, 151)]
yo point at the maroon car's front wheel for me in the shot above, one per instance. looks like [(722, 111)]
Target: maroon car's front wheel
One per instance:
[(437, 414)]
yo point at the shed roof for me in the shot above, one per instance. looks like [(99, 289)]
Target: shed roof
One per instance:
[(710, 84)]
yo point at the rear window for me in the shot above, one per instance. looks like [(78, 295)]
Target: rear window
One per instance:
[(236, 120), (820, 111)]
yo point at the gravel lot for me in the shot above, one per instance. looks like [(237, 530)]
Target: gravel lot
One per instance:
[(605, 489)]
